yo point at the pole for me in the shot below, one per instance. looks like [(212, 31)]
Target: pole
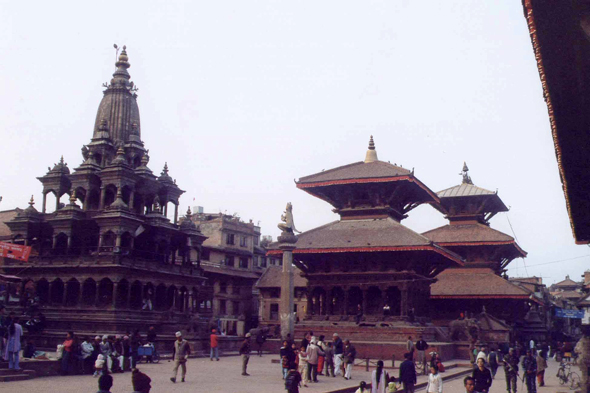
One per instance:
[(287, 245)]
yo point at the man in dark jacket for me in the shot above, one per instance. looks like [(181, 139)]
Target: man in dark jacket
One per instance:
[(529, 367), (338, 350), (407, 373), (245, 353), (421, 347)]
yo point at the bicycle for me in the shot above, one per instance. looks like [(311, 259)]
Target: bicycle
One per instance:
[(566, 376)]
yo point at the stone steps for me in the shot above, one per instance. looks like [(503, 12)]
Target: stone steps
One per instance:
[(7, 375)]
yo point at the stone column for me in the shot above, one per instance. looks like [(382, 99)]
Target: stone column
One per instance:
[(365, 303), (57, 196), (69, 243), (115, 287), (175, 213), (404, 302), (103, 194), (287, 242), (44, 202), (131, 200), (345, 300)]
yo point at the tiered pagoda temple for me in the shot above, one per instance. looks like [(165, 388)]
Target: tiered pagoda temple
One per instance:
[(110, 260), (478, 285), (367, 262)]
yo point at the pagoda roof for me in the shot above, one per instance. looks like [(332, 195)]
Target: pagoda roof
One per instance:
[(585, 301), (7, 215), (568, 282), (357, 170), (475, 283), (474, 234), (569, 294), (366, 235), (464, 189), (271, 278)]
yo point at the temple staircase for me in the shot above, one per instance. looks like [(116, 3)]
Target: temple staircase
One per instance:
[(7, 375)]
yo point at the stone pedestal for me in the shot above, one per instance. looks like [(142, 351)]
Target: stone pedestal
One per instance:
[(287, 245)]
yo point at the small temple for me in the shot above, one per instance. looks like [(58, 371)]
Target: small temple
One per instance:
[(465, 291), (367, 268), (110, 257)]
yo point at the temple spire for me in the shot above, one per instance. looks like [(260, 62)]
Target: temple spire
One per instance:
[(371, 155), (465, 174)]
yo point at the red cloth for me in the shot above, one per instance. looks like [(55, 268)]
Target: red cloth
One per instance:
[(214, 340), (320, 363)]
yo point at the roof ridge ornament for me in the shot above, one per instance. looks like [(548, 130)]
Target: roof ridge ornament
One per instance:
[(465, 174), (32, 201), (371, 155)]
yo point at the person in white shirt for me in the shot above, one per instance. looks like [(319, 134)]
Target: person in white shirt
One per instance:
[(435, 382), (481, 355)]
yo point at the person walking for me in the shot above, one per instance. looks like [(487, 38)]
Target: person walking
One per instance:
[(410, 347), (493, 361), (285, 359), (481, 355), (421, 347), (349, 355), (338, 354), (13, 343), (180, 354), (134, 348), (214, 341), (151, 339), (482, 377), (541, 367), (529, 367), (511, 370), (329, 359), (435, 381), (407, 373), (379, 379), (245, 353)]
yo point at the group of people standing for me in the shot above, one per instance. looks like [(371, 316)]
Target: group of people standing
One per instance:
[(314, 356)]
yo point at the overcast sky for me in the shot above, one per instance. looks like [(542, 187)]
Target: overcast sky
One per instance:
[(242, 97)]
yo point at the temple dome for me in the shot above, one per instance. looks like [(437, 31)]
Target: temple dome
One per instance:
[(118, 112)]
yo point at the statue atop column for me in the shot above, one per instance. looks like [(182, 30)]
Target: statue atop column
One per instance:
[(287, 226)]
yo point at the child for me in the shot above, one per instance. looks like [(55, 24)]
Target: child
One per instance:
[(435, 382), (99, 365), (329, 360), (392, 387), (303, 365), (293, 381), (363, 388)]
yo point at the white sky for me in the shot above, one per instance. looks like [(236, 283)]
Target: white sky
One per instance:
[(242, 97)]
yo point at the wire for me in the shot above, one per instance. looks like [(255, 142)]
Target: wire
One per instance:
[(514, 234)]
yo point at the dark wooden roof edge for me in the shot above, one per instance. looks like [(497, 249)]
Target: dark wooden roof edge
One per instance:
[(532, 27), (411, 178)]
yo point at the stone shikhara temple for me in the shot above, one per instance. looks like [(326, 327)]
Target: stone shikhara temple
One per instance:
[(110, 260)]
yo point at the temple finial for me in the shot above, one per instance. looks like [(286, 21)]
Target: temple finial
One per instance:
[(32, 201), (465, 174), (73, 198), (165, 170), (188, 213), (371, 155)]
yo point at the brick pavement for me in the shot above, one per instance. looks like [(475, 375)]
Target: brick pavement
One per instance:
[(203, 375), (499, 384)]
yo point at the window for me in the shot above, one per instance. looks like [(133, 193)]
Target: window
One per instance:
[(243, 241), (244, 262), (262, 262), (275, 292), (274, 312), (256, 240), (223, 287), (229, 261), (236, 307), (205, 254), (230, 238), (255, 261), (273, 261), (222, 307)]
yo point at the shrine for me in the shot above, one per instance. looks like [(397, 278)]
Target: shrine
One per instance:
[(367, 269), (478, 287), (110, 260)]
